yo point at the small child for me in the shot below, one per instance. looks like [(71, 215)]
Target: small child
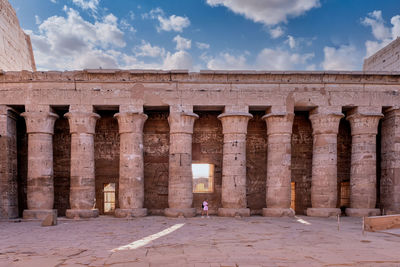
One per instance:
[(205, 209)]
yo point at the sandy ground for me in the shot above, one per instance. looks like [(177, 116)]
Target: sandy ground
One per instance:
[(197, 242)]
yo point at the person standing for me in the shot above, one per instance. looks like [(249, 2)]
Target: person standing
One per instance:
[(205, 209)]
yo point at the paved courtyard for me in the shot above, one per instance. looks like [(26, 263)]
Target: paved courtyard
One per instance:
[(215, 241)]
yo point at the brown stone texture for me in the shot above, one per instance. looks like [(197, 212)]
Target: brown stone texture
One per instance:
[(40, 190), (343, 153), (302, 147), (233, 197), (106, 155), (207, 148), (156, 157), (386, 59), (8, 163), (82, 183), (256, 162), (364, 128), (62, 163), (278, 179), (390, 162), (15, 46), (22, 163), (180, 183), (324, 163), (131, 164)]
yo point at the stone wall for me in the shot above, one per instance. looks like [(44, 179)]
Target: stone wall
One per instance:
[(62, 164), (386, 59), (256, 152), (207, 148), (15, 46), (390, 162), (302, 149), (156, 158), (106, 153), (8, 163)]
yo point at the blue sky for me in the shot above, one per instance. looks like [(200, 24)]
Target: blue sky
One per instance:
[(207, 34)]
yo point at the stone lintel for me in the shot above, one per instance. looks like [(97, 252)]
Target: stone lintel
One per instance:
[(39, 122), (81, 122), (131, 122)]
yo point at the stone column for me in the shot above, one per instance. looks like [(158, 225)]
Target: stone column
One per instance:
[(180, 184), (40, 194), (390, 162), (8, 163), (364, 128), (279, 176), (131, 165), (234, 128), (82, 189), (324, 163)]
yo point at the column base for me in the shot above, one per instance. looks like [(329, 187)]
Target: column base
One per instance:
[(323, 212), (122, 213), (229, 212), (75, 213), (278, 212), (187, 213), (38, 214), (362, 212)]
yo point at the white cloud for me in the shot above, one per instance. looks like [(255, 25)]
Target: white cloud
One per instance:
[(178, 60), (291, 42), (171, 23), (202, 46), (277, 59), (147, 50), (182, 43), (226, 61), (73, 43), (276, 32), (87, 4), (267, 12), (37, 19), (345, 57), (267, 59), (53, 1), (382, 33)]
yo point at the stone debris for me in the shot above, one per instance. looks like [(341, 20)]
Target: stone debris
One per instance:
[(50, 220)]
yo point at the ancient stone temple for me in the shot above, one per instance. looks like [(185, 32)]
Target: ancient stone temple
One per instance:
[(142, 142), (92, 142)]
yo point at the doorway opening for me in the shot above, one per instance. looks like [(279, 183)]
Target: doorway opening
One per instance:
[(109, 198), (203, 178)]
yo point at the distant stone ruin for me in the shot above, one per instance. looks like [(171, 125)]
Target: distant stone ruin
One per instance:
[(15, 46)]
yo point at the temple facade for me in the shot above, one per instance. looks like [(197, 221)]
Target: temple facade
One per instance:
[(127, 143)]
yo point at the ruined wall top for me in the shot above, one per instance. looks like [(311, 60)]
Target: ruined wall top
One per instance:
[(386, 59), (15, 46)]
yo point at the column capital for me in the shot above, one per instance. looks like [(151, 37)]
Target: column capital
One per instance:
[(364, 122), (82, 122), (325, 123), (131, 122), (235, 122), (182, 122), (39, 122), (279, 122)]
